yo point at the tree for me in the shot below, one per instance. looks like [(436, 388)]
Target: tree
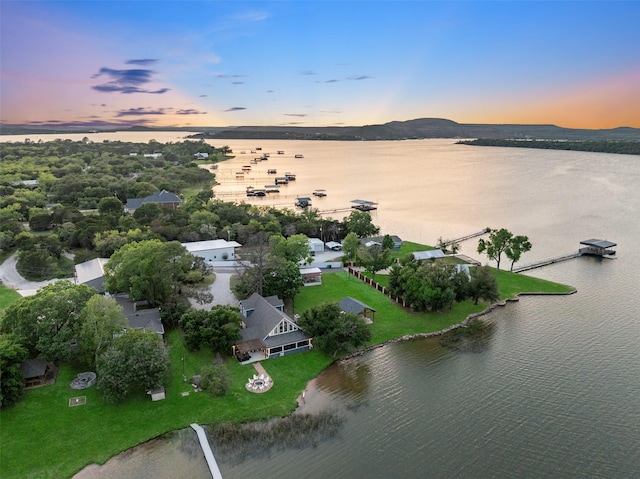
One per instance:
[(387, 242), (374, 258), (135, 361), (215, 379), (12, 353), (50, 319), (350, 247), (110, 205), (483, 284), (216, 329), (517, 246), (294, 248), (102, 318), (334, 331), (359, 222), (150, 270), (282, 278), (498, 242)]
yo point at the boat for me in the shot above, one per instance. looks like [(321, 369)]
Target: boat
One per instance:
[(271, 188), (299, 156), (320, 193), (364, 205), (290, 176), (280, 152), (272, 171), (282, 180), (303, 202)]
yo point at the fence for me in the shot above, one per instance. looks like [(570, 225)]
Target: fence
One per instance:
[(375, 285)]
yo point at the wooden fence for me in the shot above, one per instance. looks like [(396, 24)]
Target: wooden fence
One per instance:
[(375, 285)]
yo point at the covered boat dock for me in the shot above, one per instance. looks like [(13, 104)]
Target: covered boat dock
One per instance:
[(598, 247)]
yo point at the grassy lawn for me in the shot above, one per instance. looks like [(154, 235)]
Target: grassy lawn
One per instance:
[(73, 437), (7, 296)]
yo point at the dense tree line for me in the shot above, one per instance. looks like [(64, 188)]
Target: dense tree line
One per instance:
[(601, 146), (48, 188), (436, 285)]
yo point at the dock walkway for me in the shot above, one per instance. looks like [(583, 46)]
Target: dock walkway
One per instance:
[(546, 262), (208, 453), (464, 238)]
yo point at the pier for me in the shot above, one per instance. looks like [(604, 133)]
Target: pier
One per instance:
[(546, 262), (592, 247), (208, 453), (464, 238)]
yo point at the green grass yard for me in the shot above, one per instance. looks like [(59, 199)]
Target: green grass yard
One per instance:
[(42, 437)]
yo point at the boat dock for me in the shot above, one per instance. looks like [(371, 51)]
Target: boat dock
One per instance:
[(592, 247), (208, 453)]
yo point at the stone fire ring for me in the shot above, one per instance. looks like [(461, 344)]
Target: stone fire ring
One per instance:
[(83, 380), (259, 385)]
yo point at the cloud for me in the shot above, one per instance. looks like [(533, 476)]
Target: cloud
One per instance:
[(142, 62), (126, 81), (296, 114), (190, 111), (236, 108), (202, 96), (225, 76), (307, 73), (140, 111), (237, 83), (359, 77)]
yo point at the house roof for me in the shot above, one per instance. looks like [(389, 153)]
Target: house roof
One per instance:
[(431, 254), (263, 318), (195, 246), (598, 243), (90, 270), (147, 319), (33, 368), (304, 271), (159, 197), (352, 305), (333, 245)]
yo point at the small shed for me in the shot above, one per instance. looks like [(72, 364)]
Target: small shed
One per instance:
[(35, 372), (352, 305), (316, 245), (157, 394), (311, 276)]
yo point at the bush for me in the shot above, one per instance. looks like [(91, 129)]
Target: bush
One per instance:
[(214, 380)]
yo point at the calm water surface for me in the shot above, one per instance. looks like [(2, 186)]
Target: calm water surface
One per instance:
[(553, 391)]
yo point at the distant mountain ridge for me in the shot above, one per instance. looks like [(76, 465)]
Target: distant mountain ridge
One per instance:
[(395, 130)]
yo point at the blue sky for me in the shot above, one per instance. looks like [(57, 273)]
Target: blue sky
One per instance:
[(217, 63)]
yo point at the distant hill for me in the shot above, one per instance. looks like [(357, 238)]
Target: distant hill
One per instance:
[(423, 128), (395, 130)]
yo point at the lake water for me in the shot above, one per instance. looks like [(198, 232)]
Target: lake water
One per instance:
[(553, 391)]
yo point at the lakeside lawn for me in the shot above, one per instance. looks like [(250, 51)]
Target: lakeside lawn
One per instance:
[(73, 437)]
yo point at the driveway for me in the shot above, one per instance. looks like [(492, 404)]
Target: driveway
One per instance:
[(10, 278), (221, 289)]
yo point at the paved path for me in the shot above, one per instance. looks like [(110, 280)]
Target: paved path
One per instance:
[(10, 278)]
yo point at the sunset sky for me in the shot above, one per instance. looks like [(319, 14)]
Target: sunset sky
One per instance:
[(319, 63)]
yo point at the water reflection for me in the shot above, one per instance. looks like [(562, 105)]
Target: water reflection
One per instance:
[(474, 338), (175, 454)]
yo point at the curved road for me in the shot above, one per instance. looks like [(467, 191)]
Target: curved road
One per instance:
[(10, 278)]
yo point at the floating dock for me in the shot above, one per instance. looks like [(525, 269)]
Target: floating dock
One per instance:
[(364, 205)]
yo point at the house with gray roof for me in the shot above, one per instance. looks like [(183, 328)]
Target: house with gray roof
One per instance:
[(267, 330), (139, 317), (91, 273), (164, 199), (430, 254)]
